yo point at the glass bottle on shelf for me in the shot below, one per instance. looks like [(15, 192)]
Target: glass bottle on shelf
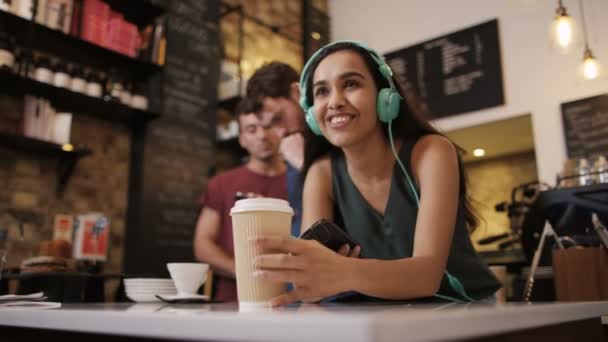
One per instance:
[(601, 170), (583, 171)]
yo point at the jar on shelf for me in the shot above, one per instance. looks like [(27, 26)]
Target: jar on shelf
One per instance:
[(567, 176), (61, 77), (78, 83), (113, 87), (27, 64), (600, 169), (126, 94), (584, 172), (94, 87), (43, 71), (17, 52), (139, 102), (7, 55)]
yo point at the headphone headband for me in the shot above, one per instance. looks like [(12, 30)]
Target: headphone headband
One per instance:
[(384, 68)]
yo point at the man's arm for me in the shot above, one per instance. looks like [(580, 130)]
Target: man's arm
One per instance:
[(206, 248), (292, 149)]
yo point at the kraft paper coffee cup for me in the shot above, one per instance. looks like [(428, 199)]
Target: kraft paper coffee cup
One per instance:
[(251, 218)]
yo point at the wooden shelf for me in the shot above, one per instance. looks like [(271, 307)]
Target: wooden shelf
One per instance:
[(67, 159), (72, 48), (73, 102)]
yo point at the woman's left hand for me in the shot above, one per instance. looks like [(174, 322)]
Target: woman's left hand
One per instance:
[(315, 270)]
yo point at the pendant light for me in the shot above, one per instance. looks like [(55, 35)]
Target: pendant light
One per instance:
[(590, 67), (563, 28)]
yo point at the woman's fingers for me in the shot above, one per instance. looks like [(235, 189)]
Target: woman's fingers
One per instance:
[(280, 244), (279, 261), (280, 276), (355, 252), (348, 252), (344, 250)]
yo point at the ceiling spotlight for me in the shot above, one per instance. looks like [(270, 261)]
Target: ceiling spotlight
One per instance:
[(315, 35), (67, 147), (479, 152)]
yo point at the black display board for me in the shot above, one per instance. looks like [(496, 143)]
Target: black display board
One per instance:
[(456, 73), (586, 126), (177, 148)]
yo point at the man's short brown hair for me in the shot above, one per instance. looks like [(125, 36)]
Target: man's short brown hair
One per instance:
[(272, 80), (246, 106)]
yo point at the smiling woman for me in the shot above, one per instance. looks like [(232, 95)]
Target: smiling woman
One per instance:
[(403, 199)]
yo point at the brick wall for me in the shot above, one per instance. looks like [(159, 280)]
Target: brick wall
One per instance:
[(28, 183)]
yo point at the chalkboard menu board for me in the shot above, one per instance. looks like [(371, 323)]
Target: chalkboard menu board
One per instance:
[(586, 126), (177, 148), (456, 73)]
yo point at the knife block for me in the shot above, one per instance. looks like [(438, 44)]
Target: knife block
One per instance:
[(581, 274)]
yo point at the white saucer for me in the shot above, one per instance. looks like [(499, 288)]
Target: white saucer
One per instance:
[(183, 296)]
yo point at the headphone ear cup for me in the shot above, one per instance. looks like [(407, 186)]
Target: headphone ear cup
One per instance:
[(388, 104), (312, 122)]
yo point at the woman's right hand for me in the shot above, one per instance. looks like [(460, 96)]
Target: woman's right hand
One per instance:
[(344, 251)]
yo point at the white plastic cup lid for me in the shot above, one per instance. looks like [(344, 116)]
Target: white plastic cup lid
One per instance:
[(261, 204)]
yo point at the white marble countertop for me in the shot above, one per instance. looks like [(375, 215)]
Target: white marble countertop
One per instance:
[(352, 322)]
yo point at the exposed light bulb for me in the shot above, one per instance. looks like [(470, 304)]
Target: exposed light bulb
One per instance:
[(563, 29), (591, 68)]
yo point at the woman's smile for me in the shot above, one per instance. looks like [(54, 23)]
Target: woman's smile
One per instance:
[(340, 120)]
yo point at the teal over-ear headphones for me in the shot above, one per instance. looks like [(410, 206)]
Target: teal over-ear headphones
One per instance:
[(387, 104)]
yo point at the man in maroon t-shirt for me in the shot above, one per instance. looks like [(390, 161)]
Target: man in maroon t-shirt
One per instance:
[(263, 175)]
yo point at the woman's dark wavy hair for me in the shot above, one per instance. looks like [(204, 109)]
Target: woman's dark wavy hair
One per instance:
[(410, 124)]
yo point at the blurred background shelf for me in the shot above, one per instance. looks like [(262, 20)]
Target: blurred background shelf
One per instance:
[(67, 158), (73, 102), (75, 49)]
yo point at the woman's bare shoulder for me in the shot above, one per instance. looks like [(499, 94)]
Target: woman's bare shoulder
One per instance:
[(321, 167), (433, 144)]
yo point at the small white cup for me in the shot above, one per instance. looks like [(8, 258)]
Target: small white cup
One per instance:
[(188, 277)]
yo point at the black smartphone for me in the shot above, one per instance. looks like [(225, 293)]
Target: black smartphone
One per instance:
[(329, 234)]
